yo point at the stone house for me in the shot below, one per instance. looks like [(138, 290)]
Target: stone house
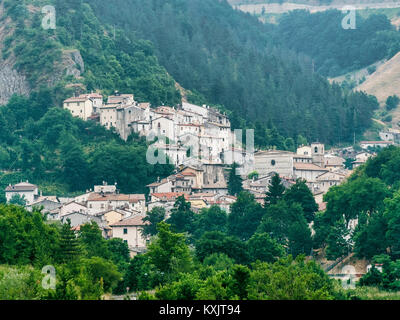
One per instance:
[(84, 105)]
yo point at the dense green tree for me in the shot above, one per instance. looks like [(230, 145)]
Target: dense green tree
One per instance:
[(92, 241), (153, 217), (103, 271), (245, 216), (74, 165), (25, 238), (279, 218), (262, 247), (358, 195), (289, 280), (70, 249), (137, 276), (182, 217), (240, 281), (392, 102), (186, 288), (275, 190), (235, 183), (392, 214), (369, 238), (218, 242), (219, 261), (373, 278), (169, 252), (299, 239), (210, 219), (300, 193), (338, 243)]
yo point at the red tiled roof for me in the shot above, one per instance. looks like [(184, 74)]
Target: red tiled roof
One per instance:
[(185, 173), (170, 195), (134, 221), (308, 166)]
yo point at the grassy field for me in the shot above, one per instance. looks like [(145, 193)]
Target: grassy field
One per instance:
[(372, 293)]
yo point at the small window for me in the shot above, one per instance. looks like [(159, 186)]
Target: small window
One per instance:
[(125, 230), (273, 162), (126, 241)]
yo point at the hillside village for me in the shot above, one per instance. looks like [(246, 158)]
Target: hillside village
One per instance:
[(201, 176)]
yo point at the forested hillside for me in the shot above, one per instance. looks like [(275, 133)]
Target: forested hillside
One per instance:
[(113, 60), (334, 50), (226, 56)]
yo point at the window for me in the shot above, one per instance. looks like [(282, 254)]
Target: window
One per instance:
[(273, 162), (125, 230), (126, 241), (316, 149)]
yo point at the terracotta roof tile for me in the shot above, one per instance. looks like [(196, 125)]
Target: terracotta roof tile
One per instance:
[(133, 221)]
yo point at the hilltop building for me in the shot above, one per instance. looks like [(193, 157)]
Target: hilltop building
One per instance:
[(26, 190)]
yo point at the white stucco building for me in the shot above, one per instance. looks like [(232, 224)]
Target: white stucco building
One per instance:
[(28, 191), (129, 230)]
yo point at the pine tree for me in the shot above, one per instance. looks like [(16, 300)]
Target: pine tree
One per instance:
[(275, 191), (69, 244), (235, 181)]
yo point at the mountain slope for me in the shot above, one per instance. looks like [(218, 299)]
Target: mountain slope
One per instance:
[(81, 49), (45, 144), (385, 81), (228, 57)]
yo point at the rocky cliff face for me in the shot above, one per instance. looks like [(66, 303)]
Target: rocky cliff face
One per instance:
[(11, 81), (71, 64), (14, 82)]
